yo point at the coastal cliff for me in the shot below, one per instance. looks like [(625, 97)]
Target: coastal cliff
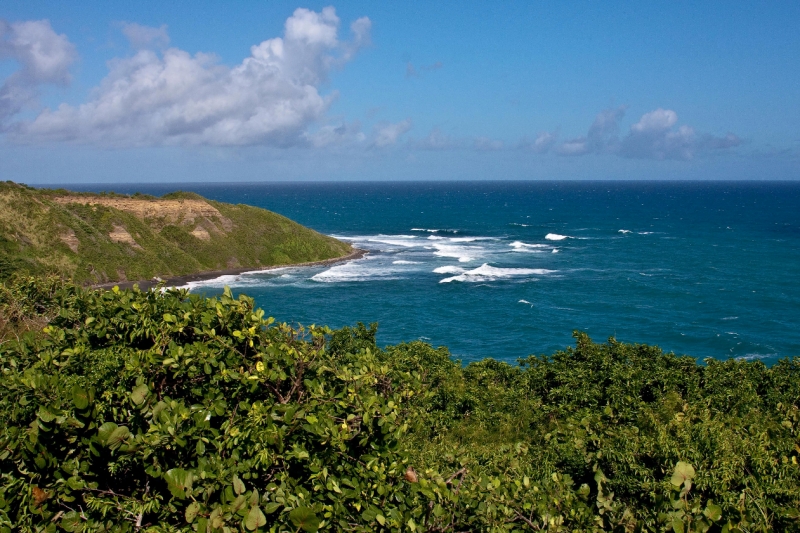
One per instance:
[(106, 238)]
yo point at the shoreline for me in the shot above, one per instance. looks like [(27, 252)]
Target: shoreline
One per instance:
[(178, 281)]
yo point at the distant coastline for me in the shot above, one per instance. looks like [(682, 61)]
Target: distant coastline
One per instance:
[(177, 281)]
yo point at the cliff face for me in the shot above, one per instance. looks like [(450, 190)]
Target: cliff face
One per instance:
[(105, 238)]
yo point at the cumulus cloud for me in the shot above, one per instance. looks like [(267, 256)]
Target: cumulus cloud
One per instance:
[(541, 145), (602, 135), (145, 36), (44, 57), (654, 136), (436, 140), (387, 133), (176, 98), (330, 135)]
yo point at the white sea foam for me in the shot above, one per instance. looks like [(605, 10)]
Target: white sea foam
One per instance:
[(356, 271), (518, 224), (556, 237), (435, 238), (624, 231), (523, 247), (485, 272), (448, 270), (464, 254), (525, 302), (754, 356), (520, 244), (555, 250), (730, 318), (646, 232), (401, 262), (425, 229)]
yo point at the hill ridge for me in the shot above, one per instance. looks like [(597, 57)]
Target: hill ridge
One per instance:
[(98, 239)]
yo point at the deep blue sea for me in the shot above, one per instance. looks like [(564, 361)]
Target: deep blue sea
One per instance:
[(508, 269)]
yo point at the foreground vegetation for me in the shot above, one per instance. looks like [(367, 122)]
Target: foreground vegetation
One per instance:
[(95, 239), (150, 411)]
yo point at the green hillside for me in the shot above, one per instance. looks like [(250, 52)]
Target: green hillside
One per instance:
[(104, 238)]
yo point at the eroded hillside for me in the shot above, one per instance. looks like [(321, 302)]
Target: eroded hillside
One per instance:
[(104, 238)]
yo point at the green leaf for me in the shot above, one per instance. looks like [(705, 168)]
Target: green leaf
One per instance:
[(118, 436), (713, 512), (677, 525), (45, 415), (178, 481), (139, 394), (238, 485), (105, 431), (71, 521), (169, 318), (305, 519), (683, 472), (271, 507), (80, 398), (191, 511), (200, 448), (255, 519)]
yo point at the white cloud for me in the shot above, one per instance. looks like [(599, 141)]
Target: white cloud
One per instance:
[(602, 135), (386, 133), (541, 145), (173, 97), (145, 36), (436, 140), (44, 57), (654, 136), (656, 121)]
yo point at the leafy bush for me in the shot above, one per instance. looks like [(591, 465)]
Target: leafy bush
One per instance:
[(164, 411)]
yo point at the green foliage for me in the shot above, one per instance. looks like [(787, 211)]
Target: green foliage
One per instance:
[(164, 411)]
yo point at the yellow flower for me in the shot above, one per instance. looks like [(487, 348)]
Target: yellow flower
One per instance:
[(260, 366)]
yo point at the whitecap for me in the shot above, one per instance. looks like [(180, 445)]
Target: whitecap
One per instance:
[(624, 231), (448, 270), (425, 229), (518, 224), (401, 262), (357, 271), (730, 318), (464, 254), (755, 356), (555, 237), (485, 272), (519, 245), (646, 232), (555, 250)]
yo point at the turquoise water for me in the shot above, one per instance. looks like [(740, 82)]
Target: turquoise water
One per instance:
[(507, 269)]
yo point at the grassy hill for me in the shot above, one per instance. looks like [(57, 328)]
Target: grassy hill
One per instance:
[(104, 238)]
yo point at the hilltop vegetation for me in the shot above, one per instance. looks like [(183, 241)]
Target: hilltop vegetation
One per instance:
[(104, 238), (149, 411)]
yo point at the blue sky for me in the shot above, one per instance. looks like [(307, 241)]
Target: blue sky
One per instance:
[(249, 91)]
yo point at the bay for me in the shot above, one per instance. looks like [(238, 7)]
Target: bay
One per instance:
[(507, 269)]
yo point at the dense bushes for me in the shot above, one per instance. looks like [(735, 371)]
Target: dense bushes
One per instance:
[(163, 411)]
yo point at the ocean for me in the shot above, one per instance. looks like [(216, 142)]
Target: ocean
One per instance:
[(508, 269)]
